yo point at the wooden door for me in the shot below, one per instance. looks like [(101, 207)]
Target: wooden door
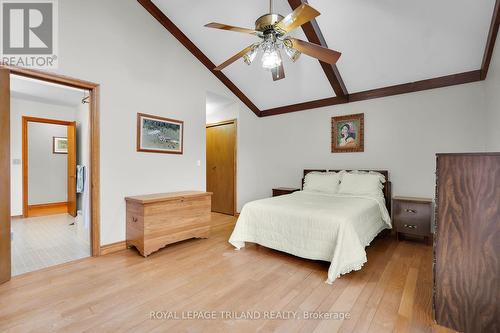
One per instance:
[(4, 175), (221, 166), (72, 169)]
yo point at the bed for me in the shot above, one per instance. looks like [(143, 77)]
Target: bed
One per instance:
[(331, 227)]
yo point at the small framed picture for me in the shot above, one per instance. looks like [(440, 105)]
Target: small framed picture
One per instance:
[(60, 145), (348, 133), (159, 135)]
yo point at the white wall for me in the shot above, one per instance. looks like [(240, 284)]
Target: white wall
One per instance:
[(141, 67), (48, 172), (492, 86), (221, 113), (402, 134), (19, 108)]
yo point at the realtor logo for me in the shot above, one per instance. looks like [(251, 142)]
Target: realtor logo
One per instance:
[(29, 33)]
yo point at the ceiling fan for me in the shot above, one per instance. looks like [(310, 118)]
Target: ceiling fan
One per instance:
[(273, 29)]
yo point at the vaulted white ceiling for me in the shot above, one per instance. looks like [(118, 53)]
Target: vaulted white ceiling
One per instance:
[(383, 42), (388, 42)]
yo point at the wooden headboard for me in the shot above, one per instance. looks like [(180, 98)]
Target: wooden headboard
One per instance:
[(387, 186)]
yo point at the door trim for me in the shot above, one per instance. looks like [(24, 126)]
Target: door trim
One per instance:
[(47, 209), (25, 158), (5, 246), (235, 122), (94, 106)]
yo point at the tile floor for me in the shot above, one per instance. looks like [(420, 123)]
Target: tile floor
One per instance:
[(40, 242)]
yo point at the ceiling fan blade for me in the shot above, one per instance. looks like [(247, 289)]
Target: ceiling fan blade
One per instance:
[(234, 58), (316, 51), (231, 28), (302, 14), (278, 72)]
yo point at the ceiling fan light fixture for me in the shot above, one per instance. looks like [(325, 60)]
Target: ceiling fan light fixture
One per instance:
[(292, 53), (273, 30), (271, 59), (250, 56)]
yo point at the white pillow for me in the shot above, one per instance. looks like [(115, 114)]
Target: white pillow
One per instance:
[(327, 182), (381, 176), (360, 184)]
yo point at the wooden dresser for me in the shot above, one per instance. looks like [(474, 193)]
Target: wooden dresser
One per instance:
[(156, 220), (467, 242)]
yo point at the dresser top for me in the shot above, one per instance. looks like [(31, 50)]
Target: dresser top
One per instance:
[(160, 197), (470, 154)]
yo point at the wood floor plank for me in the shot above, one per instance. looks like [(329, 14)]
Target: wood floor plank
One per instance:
[(118, 292), (387, 312), (377, 261)]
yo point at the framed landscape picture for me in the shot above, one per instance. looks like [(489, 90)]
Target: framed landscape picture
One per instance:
[(59, 145), (159, 135), (348, 133)]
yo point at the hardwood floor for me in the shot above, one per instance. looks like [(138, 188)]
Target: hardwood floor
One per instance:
[(118, 292)]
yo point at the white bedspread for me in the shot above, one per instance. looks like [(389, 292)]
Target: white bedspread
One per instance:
[(313, 225)]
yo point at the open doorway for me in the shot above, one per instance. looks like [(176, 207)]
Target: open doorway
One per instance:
[(49, 156), (221, 145), (52, 228), (49, 161)]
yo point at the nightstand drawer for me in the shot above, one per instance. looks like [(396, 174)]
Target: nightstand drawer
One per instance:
[(412, 228), (412, 210)]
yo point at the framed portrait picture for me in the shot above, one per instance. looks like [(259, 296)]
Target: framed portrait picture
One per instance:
[(348, 133), (59, 145), (159, 135)]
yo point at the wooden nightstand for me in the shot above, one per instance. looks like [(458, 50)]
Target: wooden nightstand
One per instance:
[(284, 190), (412, 217)]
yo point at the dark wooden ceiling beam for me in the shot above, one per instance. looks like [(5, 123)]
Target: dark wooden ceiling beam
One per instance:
[(319, 103), (490, 44), (314, 35), (439, 82), (181, 37)]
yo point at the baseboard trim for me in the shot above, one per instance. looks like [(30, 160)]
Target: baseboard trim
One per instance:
[(47, 209), (113, 247)]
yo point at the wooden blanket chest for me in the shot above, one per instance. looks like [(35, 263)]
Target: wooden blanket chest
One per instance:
[(156, 220)]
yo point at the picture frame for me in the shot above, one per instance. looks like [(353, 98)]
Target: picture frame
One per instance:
[(59, 145), (348, 133), (159, 135)]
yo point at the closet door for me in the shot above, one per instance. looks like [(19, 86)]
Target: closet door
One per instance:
[(4, 175), (221, 166)]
